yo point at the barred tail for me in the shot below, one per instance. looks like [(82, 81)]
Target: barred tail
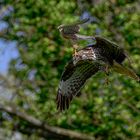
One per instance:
[(128, 72)]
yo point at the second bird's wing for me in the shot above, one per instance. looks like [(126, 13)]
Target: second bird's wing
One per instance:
[(74, 28)]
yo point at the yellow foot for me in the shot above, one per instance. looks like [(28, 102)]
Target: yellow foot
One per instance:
[(75, 53)]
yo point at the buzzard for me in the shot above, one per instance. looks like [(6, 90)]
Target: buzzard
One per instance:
[(71, 32), (102, 56)]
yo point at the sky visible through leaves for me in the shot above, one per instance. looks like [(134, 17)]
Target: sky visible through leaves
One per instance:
[(8, 51)]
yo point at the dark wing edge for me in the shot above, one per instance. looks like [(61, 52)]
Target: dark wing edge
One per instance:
[(75, 81), (63, 101), (117, 52)]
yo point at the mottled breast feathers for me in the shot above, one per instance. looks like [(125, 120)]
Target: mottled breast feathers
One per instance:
[(75, 74)]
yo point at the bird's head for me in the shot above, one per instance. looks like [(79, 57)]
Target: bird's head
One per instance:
[(60, 28)]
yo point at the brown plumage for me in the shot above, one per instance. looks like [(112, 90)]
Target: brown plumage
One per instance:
[(71, 31), (90, 60)]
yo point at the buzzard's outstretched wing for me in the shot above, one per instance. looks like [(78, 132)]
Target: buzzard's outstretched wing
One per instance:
[(73, 78), (75, 74)]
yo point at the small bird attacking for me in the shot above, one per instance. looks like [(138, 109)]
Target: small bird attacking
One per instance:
[(71, 32), (89, 61)]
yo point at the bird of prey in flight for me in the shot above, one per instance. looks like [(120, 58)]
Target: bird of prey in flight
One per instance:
[(71, 32), (90, 60)]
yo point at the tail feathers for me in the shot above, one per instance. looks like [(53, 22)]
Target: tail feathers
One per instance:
[(63, 101), (125, 71), (130, 61)]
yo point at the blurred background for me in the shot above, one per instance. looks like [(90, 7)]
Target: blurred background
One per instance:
[(32, 58)]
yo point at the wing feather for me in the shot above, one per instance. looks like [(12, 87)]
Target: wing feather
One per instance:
[(74, 28), (73, 78), (110, 50)]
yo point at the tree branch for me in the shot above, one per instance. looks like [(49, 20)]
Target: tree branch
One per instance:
[(45, 128)]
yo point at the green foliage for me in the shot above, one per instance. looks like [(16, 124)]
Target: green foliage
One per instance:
[(107, 112)]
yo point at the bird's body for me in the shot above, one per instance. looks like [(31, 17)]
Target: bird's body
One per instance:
[(77, 71), (90, 60), (71, 28), (70, 32)]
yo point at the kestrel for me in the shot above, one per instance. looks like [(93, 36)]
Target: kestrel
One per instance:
[(71, 32), (89, 61)]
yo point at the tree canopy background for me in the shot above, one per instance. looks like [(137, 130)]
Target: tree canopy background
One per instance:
[(102, 112)]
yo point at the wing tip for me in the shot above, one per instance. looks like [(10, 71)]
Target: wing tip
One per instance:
[(63, 101)]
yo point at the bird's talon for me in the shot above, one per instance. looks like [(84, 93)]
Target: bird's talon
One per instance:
[(75, 53)]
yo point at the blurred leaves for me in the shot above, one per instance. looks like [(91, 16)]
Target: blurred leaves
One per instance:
[(107, 112)]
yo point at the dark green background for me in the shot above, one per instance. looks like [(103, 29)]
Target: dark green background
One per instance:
[(107, 112)]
